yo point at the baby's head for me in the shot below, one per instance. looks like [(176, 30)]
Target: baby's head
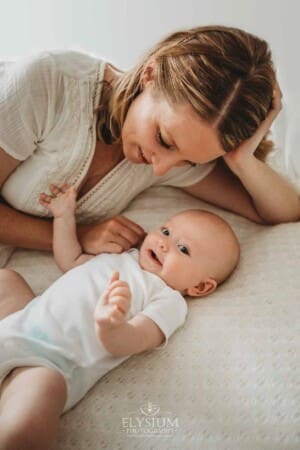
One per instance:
[(193, 252)]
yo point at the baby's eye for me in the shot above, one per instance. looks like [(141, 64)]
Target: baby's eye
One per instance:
[(161, 141), (165, 231), (183, 249)]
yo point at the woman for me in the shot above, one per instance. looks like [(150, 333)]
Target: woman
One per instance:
[(203, 94)]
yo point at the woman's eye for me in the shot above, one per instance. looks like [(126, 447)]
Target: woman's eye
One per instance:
[(165, 231), (183, 249), (162, 142)]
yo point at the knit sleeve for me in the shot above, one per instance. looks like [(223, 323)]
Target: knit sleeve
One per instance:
[(27, 103)]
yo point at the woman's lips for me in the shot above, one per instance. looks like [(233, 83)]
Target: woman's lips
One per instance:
[(142, 156)]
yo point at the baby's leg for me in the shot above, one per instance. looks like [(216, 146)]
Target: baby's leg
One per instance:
[(15, 293), (31, 402), (31, 398)]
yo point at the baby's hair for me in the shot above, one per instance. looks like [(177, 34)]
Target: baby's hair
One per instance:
[(224, 73), (221, 227)]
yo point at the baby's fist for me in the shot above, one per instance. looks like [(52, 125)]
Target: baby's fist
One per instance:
[(114, 304)]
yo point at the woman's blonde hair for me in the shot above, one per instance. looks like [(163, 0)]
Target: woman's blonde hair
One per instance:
[(224, 73)]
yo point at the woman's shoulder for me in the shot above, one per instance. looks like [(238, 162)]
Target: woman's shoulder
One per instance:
[(76, 64), (25, 67)]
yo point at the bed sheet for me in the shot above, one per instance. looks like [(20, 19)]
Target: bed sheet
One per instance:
[(229, 378)]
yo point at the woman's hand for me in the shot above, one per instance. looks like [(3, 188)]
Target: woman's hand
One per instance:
[(238, 157), (111, 236)]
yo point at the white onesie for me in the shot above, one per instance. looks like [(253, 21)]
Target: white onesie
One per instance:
[(56, 329)]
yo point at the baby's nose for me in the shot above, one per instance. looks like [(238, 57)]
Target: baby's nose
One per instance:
[(163, 245)]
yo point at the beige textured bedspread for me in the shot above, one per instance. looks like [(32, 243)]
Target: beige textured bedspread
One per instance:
[(229, 378)]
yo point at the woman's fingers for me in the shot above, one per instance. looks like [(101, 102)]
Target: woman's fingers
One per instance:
[(134, 227), (117, 237), (126, 233), (112, 236), (107, 247), (123, 233), (277, 97), (277, 90)]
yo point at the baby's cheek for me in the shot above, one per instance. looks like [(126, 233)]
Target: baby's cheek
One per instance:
[(177, 273)]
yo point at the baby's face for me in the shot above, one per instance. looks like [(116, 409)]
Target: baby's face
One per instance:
[(182, 252)]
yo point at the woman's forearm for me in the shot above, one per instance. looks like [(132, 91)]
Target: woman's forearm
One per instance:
[(23, 230), (275, 199)]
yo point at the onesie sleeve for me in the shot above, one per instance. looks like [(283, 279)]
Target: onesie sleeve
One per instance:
[(185, 175), (27, 103), (168, 311)]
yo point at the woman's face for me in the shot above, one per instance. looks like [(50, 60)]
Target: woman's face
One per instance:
[(154, 132)]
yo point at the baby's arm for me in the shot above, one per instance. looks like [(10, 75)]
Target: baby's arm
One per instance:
[(121, 337), (66, 247)]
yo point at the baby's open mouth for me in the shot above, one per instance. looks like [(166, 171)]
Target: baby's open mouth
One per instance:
[(154, 257)]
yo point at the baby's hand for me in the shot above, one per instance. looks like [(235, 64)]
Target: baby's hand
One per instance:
[(114, 303), (62, 202)]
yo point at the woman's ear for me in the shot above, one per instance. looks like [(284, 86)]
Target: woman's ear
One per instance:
[(202, 289), (147, 73)]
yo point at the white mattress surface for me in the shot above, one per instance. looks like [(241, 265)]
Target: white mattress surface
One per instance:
[(229, 378)]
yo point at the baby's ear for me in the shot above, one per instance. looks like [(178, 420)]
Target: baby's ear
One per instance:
[(204, 288)]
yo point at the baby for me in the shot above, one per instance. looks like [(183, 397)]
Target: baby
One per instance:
[(101, 312)]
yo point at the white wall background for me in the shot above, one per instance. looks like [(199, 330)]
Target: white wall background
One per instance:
[(120, 30)]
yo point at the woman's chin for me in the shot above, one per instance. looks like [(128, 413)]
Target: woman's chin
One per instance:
[(129, 155), (133, 158)]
